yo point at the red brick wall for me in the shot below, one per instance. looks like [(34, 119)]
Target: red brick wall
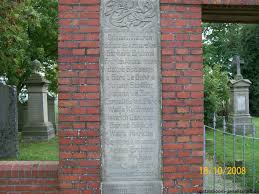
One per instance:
[(29, 178), (79, 103), (182, 97), (182, 93), (79, 97)]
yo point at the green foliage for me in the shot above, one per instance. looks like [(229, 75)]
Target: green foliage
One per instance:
[(28, 31), (223, 41), (216, 95), (250, 70)]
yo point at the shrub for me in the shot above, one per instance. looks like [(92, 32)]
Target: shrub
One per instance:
[(216, 95)]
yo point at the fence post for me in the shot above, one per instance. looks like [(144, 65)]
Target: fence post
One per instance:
[(244, 177), (234, 152), (224, 151), (253, 151), (214, 151), (204, 155)]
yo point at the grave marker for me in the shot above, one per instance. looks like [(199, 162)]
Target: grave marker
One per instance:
[(131, 120), (8, 122)]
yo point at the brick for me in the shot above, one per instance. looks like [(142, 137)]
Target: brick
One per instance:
[(183, 94), (182, 66), (93, 51), (89, 88), (182, 51), (78, 51), (183, 139), (172, 146), (167, 37), (169, 169)]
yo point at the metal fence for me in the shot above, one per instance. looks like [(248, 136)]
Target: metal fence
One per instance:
[(230, 158)]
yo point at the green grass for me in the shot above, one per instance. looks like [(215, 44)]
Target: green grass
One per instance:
[(37, 151), (256, 121), (248, 150)]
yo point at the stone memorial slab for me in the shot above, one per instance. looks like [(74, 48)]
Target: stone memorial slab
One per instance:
[(52, 113), (241, 103), (8, 122), (37, 127), (131, 118)]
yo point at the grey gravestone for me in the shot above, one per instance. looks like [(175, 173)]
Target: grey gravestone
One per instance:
[(8, 122), (52, 113), (131, 107), (37, 126), (239, 101)]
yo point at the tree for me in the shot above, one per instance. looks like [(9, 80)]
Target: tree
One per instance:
[(223, 41), (250, 70), (28, 31), (216, 94)]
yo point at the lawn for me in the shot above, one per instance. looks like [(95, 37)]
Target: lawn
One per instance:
[(244, 150), (37, 151), (256, 121)]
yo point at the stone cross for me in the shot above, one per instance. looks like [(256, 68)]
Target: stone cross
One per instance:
[(237, 61)]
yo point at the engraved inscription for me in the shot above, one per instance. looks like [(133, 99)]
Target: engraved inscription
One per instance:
[(131, 104), (130, 97)]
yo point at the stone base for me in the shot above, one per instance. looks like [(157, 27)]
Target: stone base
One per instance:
[(240, 122), (132, 187), (240, 128), (44, 131)]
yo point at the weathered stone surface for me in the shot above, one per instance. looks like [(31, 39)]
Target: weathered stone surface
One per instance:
[(52, 113), (239, 105), (140, 187), (37, 126), (8, 122), (131, 124)]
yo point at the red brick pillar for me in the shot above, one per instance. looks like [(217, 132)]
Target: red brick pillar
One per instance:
[(182, 95), (79, 97)]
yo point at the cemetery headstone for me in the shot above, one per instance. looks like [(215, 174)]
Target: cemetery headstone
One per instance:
[(37, 126), (131, 118), (239, 101), (8, 122), (52, 113)]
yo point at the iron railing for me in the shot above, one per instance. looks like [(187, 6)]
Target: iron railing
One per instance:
[(225, 158)]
